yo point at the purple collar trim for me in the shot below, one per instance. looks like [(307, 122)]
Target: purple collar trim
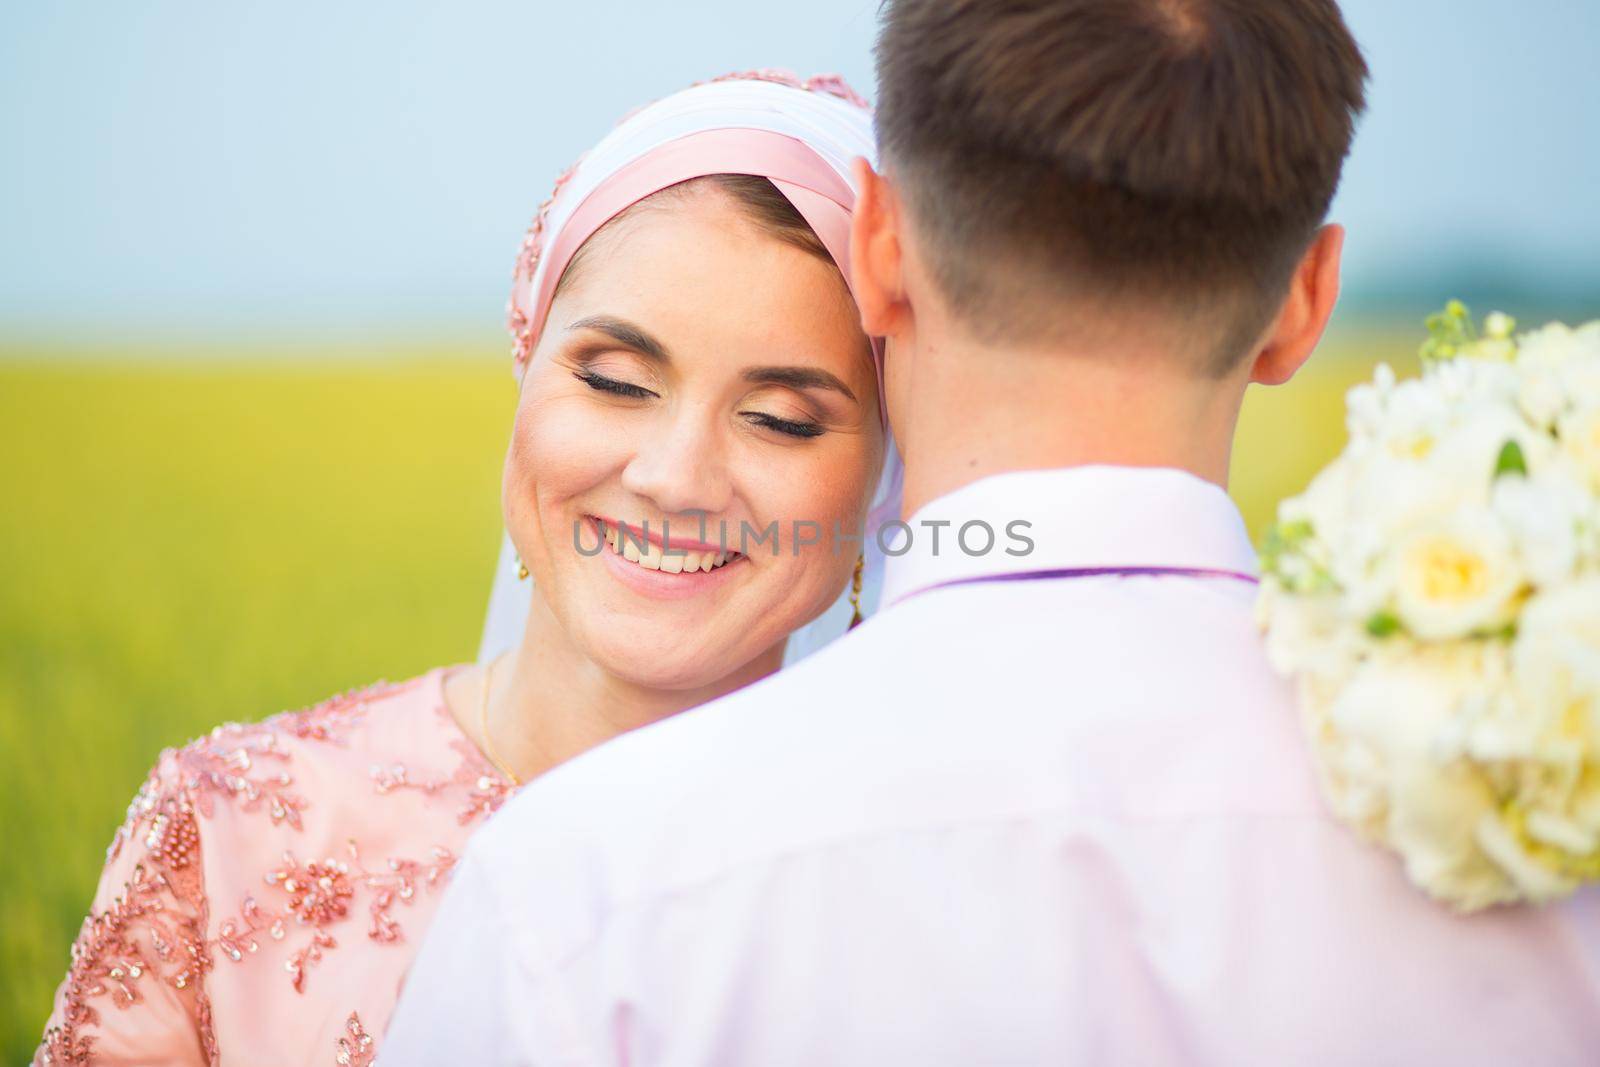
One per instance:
[(1088, 572)]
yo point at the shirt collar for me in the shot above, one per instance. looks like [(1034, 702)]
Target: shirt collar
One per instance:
[(1074, 517)]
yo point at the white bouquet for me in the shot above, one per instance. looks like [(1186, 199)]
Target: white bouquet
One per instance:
[(1435, 595)]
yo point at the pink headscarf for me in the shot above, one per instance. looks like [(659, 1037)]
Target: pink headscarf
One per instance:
[(800, 135)]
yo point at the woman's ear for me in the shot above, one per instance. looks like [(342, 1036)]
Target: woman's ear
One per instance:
[(875, 253), (1313, 291)]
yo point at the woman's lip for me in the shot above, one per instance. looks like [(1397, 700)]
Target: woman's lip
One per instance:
[(683, 544), (663, 585)]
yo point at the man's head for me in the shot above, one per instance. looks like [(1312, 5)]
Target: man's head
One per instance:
[(1063, 171)]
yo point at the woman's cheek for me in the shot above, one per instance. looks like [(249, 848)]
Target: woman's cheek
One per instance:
[(836, 492), (562, 448), (832, 493)]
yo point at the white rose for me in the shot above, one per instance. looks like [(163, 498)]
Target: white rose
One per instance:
[(1542, 515), (1403, 701), (1582, 372), (1387, 498), (1554, 344), (1462, 383), (1581, 377), (1555, 661), (1542, 395), (1352, 509), (1365, 403), (1413, 417), (1325, 504), (1306, 634), (1351, 775), (1437, 815), (1393, 743), (1388, 495), (1556, 674), (1589, 535), (1580, 440), (1391, 493), (1534, 881), (1471, 449), (1456, 576)]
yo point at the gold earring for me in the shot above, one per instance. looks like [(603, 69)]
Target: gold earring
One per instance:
[(522, 570), (855, 594)]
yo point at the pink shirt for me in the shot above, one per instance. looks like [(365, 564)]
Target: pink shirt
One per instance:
[(1044, 822), (271, 884)]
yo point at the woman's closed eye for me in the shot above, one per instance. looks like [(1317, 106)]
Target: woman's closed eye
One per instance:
[(802, 428), (787, 427), (600, 383)]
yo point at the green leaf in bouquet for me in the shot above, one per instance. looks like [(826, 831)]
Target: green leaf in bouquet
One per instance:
[(1510, 461), (1449, 332), (1508, 632), (1291, 556), (1585, 865), (1283, 539), (1383, 624)]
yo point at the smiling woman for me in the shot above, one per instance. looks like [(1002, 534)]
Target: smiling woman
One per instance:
[(690, 359), (646, 410)]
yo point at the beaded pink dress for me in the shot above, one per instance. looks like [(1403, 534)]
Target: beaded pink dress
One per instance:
[(264, 897)]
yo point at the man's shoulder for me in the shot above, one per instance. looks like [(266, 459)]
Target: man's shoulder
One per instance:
[(903, 727), (645, 798)]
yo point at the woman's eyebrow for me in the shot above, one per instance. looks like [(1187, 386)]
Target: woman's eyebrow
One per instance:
[(625, 333), (798, 377)]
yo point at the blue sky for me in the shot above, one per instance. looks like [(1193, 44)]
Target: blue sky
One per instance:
[(367, 169)]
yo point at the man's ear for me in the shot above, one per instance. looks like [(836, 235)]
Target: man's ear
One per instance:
[(1313, 291), (875, 253)]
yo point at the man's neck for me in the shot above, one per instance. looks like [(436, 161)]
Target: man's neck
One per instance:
[(976, 410)]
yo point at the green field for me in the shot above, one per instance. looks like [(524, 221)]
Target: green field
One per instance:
[(185, 542)]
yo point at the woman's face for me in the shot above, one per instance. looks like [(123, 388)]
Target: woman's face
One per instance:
[(693, 369)]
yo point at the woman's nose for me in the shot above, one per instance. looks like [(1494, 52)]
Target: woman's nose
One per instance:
[(682, 468)]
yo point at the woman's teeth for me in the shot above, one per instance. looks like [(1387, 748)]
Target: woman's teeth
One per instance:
[(652, 557)]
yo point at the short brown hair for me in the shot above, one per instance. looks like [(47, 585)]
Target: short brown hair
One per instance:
[(1132, 153)]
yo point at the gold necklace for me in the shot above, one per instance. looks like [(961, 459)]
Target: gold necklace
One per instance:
[(483, 727)]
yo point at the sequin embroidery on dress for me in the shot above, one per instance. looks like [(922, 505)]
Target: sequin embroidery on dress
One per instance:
[(154, 914)]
